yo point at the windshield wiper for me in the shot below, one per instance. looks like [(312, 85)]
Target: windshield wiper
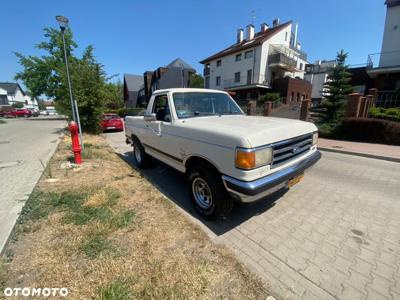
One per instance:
[(198, 113), (231, 113)]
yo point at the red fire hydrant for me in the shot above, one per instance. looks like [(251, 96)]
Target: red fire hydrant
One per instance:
[(76, 147)]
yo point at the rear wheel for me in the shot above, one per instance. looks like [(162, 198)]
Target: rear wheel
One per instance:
[(208, 193), (141, 158)]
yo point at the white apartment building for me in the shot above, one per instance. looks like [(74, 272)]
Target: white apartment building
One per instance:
[(317, 75), (251, 66)]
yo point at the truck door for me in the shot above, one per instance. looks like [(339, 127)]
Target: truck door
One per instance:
[(158, 139)]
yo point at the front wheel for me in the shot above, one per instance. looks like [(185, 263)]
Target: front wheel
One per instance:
[(208, 193)]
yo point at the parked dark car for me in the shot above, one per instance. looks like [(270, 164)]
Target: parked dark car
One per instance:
[(34, 112)]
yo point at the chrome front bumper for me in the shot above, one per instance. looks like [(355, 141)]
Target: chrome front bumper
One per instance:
[(250, 191)]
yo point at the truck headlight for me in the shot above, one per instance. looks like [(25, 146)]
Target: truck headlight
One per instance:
[(314, 138), (252, 158)]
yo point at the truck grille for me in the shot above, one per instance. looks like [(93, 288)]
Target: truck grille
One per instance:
[(285, 151)]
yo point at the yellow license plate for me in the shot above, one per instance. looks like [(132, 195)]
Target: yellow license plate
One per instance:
[(295, 180)]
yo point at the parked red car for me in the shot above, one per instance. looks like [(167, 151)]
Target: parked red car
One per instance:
[(112, 122), (22, 112)]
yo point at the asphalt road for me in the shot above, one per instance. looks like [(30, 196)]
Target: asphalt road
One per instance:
[(335, 235), (24, 143)]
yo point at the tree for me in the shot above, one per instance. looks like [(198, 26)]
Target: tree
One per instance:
[(196, 81), (46, 75), (18, 105), (41, 105), (114, 95), (335, 90), (270, 97)]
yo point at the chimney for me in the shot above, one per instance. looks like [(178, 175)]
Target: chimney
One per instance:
[(276, 22), (296, 27), (250, 32), (264, 27), (239, 36)]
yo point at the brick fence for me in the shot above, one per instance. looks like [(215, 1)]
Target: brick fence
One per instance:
[(359, 105)]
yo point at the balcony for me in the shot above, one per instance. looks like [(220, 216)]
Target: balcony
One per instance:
[(301, 53), (245, 81), (282, 61), (385, 62)]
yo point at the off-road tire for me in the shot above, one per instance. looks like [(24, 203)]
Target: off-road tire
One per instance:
[(221, 202), (141, 158)]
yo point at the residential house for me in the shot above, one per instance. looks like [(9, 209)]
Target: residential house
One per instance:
[(138, 89), (132, 85), (15, 94), (317, 75), (384, 67), (269, 60), (175, 75), (12, 93), (3, 97), (31, 102)]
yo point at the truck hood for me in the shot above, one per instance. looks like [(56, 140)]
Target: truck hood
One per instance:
[(257, 131)]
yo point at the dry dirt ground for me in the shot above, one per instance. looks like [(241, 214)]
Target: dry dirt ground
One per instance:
[(104, 232)]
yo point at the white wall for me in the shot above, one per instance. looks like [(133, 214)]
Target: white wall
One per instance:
[(259, 63), (229, 66), (18, 97), (391, 38), (317, 80), (30, 103)]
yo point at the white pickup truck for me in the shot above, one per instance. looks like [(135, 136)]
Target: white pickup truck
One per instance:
[(225, 154)]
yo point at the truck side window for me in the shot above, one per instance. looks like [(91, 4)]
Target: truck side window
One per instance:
[(161, 108)]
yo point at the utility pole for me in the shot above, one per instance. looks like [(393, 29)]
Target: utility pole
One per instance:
[(63, 22)]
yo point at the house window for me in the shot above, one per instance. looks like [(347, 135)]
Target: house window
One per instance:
[(207, 82), (219, 63), (286, 36), (301, 66), (237, 77), (218, 80), (238, 57), (248, 54)]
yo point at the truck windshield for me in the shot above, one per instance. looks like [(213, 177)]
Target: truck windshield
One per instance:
[(194, 104)]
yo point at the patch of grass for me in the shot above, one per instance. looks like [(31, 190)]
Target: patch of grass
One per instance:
[(35, 208), (91, 153), (96, 243), (92, 146), (122, 219), (118, 289), (83, 215), (119, 177), (3, 274), (47, 169)]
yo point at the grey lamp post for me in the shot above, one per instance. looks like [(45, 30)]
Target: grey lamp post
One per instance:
[(63, 22)]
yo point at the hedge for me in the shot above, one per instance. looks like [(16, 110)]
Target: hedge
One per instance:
[(371, 130), (385, 113), (122, 112)]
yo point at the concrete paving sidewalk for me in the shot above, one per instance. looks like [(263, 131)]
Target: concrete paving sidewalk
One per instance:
[(378, 151), (24, 146)]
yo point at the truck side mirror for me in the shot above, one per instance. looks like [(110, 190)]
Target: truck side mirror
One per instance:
[(150, 117)]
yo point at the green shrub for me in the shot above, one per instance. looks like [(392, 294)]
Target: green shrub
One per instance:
[(270, 97), (18, 105), (118, 289), (385, 113), (122, 112)]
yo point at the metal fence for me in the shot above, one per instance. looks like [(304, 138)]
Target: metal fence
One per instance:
[(388, 99)]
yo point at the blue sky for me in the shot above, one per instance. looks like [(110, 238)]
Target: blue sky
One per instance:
[(135, 36)]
